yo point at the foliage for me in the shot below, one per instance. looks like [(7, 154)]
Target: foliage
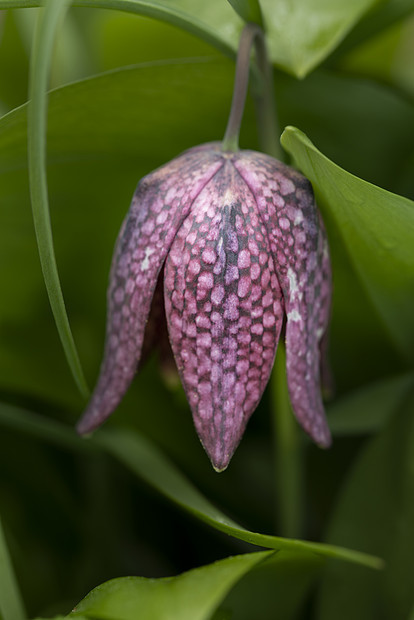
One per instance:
[(137, 507)]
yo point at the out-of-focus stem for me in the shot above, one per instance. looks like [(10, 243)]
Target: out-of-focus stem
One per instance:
[(288, 454)]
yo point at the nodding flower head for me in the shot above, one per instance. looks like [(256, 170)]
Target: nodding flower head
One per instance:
[(241, 248)]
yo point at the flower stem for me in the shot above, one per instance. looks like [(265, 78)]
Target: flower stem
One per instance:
[(264, 97), (288, 454)]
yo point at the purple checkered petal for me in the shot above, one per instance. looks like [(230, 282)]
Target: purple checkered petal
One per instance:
[(299, 248), (224, 310), (160, 204)]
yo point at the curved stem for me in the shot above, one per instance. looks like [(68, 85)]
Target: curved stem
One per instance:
[(241, 81), (265, 102)]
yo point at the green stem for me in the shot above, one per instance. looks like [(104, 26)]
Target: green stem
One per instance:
[(288, 457), (269, 134), (251, 36), (241, 81), (11, 605)]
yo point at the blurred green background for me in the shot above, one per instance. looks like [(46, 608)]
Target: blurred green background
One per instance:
[(129, 94)]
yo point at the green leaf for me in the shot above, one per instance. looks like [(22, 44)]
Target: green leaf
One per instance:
[(276, 588), (79, 617), (36, 133), (383, 15), (249, 10), (11, 605), (368, 409), (191, 596), (375, 511), (147, 461), (376, 228), (375, 134), (215, 22), (300, 34)]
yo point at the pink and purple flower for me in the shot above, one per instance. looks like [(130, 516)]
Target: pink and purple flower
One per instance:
[(242, 250)]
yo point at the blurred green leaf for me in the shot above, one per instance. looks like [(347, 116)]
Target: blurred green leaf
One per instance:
[(249, 10), (215, 22), (375, 511), (300, 35), (36, 134), (13, 75), (276, 588), (191, 596), (11, 605), (374, 136), (79, 617), (368, 409), (147, 461), (376, 227), (382, 16)]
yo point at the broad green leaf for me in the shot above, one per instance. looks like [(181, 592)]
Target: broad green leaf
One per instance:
[(11, 605), (368, 409), (375, 135), (79, 617), (300, 34), (215, 22), (36, 133), (372, 140), (276, 588), (147, 461), (376, 227), (13, 75), (191, 596), (375, 511), (249, 10), (383, 15)]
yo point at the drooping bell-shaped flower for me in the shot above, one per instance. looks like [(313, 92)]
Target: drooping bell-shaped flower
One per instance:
[(241, 247)]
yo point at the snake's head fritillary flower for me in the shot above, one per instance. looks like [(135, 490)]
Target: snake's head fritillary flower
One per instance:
[(241, 248)]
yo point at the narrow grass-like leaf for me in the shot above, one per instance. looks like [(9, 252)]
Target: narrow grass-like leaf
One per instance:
[(147, 461), (194, 595), (376, 227), (11, 605), (36, 123)]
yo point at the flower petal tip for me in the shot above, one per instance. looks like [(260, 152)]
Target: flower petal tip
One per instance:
[(89, 422), (220, 462), (323, 438), (84, 428)]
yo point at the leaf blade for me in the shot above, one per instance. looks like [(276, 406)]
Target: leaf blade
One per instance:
[(375, 226), (171, 597), (147, 461), (36, 131), (11, 604)]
